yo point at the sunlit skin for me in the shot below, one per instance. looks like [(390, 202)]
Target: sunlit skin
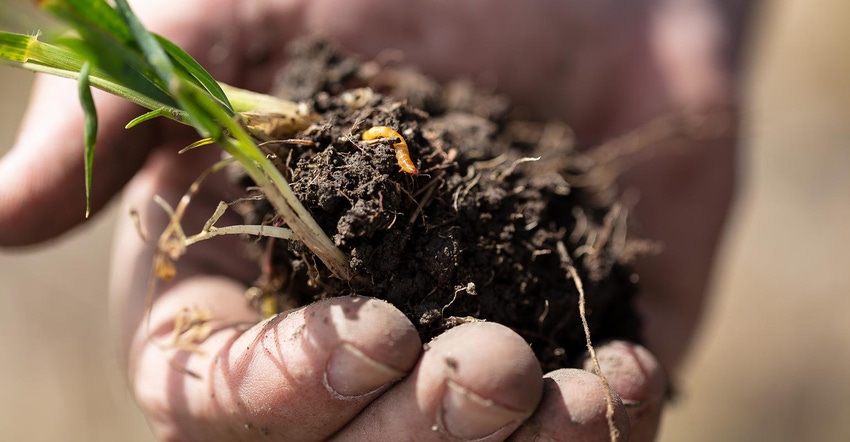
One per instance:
[(353, 368)]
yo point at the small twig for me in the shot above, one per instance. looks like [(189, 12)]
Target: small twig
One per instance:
[(581, 224), (167, 249), (567, 265), (219, 211), (608, 225)]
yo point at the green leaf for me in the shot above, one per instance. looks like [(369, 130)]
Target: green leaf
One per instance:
[(26, 51), (189, 94), (124, 65), (161, 112), (154, 53), (105, 39), (196, 144), (95, 21), (204, 112), (15, 47), (90, 133), (195, 70), (89, 14), (113, 50)]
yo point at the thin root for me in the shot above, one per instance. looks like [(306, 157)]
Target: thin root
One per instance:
[(568, 266), (510, 170), (470, 290), (615, 157), (190, 327), (137, 223)]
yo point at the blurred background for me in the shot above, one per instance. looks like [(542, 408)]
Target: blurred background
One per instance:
[(772, 360)]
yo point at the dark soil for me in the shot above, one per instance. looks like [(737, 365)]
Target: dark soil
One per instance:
[(473, 235)]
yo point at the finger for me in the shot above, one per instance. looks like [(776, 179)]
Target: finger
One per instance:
[(301, 376), (43, 189), (573, 408), (477, 381), (637, 377), (298, 376)]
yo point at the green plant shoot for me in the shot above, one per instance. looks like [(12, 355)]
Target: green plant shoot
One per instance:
[(110, 49)]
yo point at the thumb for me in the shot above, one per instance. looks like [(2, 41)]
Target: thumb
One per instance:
[(42, 184)]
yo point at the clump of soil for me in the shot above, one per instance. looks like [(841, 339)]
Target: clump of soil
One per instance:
[(474, 235)]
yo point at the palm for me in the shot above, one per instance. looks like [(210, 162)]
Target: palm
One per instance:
[(311, 384)]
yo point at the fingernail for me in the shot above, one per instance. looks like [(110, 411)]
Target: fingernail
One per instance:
[(466, 415), (350, 373)]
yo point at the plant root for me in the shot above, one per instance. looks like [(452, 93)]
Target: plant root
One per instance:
[(568, 266), (191, 326)]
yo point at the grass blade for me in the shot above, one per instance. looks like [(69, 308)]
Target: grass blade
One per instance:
[(177, 84), (192, 68), (91, 15), (111, 87), (153, 52), (106, 40), (90, 133), (15, 47), (122, 64), (26, 51), (114, 50), (161, 112), (197, 144), (96, 20)]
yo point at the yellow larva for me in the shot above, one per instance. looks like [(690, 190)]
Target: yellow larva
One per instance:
[(402, 153)]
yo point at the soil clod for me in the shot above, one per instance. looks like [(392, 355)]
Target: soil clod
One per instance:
[(474, 234)]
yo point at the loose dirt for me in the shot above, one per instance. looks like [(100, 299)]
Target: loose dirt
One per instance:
[(473, 236)]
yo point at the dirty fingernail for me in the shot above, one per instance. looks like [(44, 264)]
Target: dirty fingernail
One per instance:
[(351, 373), (466, 415)]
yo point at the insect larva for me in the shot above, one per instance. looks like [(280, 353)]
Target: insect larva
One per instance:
[(402, 153)]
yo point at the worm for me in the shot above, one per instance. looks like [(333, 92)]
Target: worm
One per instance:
[(402, 153)]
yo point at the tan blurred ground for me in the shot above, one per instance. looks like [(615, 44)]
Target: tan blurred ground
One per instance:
[(772, 362)]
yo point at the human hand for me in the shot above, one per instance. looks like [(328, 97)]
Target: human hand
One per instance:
[(328, 370)]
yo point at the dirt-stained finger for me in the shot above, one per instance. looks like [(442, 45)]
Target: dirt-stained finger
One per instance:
[(301, 375), (573, 409), (477, 381), (638, 378)]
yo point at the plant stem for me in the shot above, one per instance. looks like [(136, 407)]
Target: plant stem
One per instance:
[(280, 195)]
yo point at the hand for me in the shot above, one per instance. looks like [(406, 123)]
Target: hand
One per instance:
[(352, 368)]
